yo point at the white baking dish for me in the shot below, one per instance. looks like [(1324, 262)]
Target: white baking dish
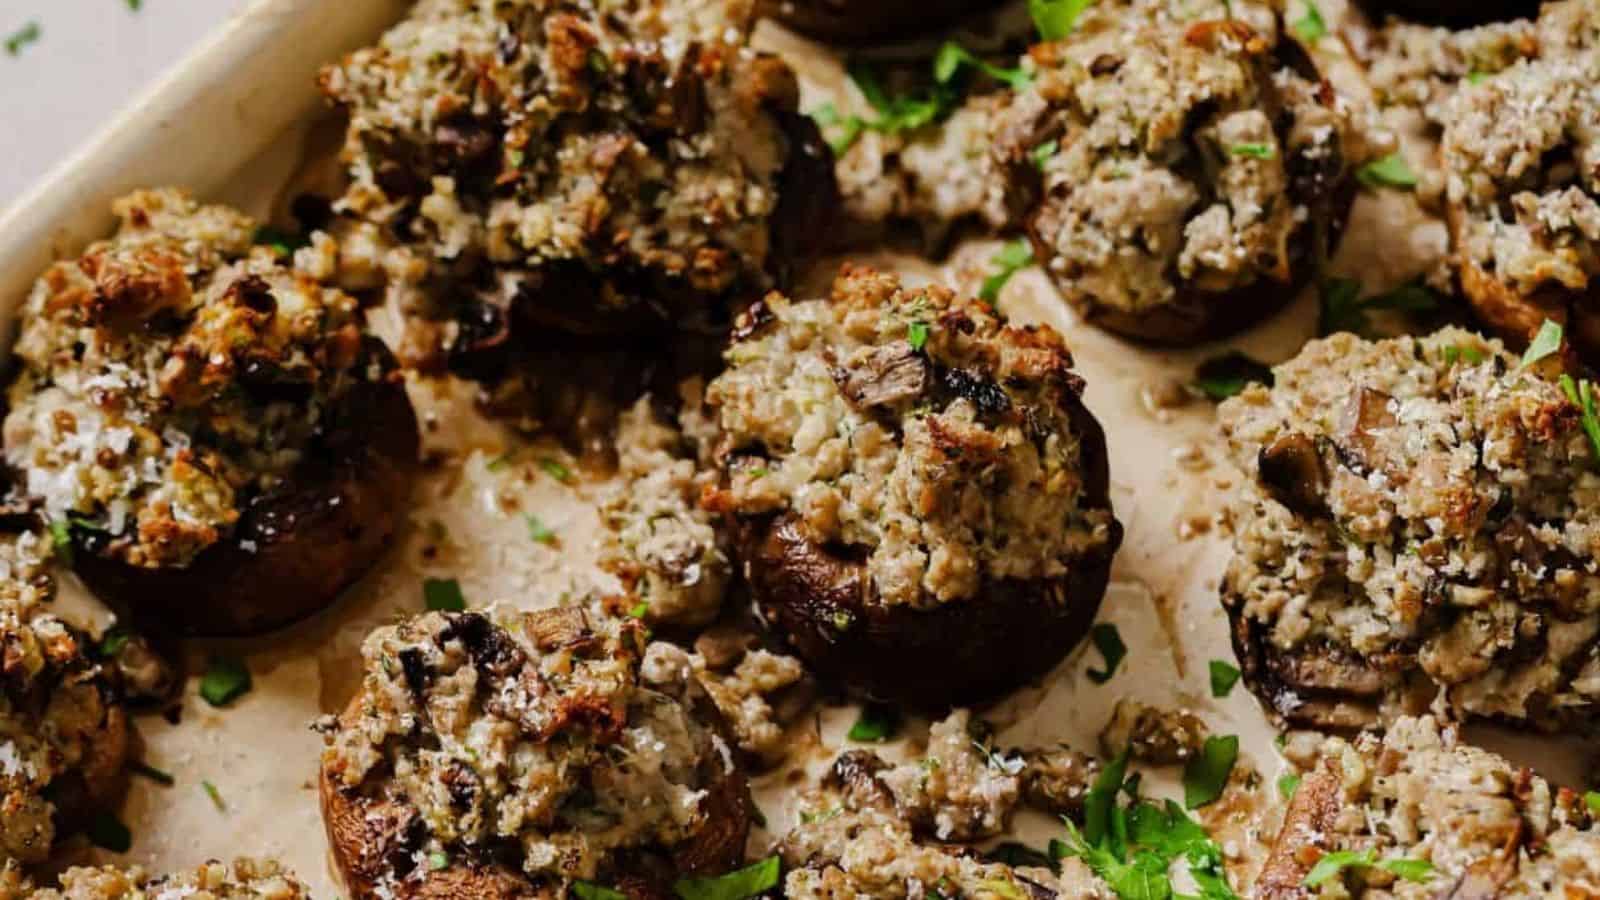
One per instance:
[(231, 124)]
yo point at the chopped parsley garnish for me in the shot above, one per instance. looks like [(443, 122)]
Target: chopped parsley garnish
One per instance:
[(1224, 675), (1012, 258), (438, 860), (917, 335), (1546, 342), (22, 37), (736, 885), (1344, 309), (61, 540), (1287, 785), (877, 722), (1456, 353), (1043, 153), (107, 832), (539, 531), (1581, 394), (952, 57), (1477, 77), (639, 609), (1331, 864), (1206, 775), (443, 595), (1227, 375), (1391, 171), (1055, 19), (849, 128), (501, 461), (226, 680), (112, 642), (135, 5), (1134, 848), (1592, 800), (1108, 641), (215, 795), (588, 890), (151, 772), (555, 469), (1254, 151), (1311, 27)]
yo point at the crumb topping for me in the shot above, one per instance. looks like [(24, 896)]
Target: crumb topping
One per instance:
[(658, 540), (519, 148), (60, 726), (528, 732), (1189, 156), (1416, 793), (1412, 517), (915, 425), (170, 375), (246, 879)]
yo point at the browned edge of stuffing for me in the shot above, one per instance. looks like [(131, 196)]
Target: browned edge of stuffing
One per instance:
[(293, 551)]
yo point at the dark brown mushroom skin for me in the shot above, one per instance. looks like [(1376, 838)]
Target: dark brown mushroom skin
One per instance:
[(1516, 317), (868, 21), (819, 599), (1454, 13), (295, 550), (369, 835), (1304, 837), (1196, 315)]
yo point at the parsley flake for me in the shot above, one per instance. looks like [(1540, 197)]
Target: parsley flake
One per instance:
[(877, 723), (1343, 308), (1206, 775), (1228, 375), (1015, 854), (1391, 171), (847, 128), (1333, 863), (639, 610), (1581, 395), (443, 595), (1287, 785), (61, 540), (952, 58), (112, 642), (1254, 151), (917, 335), (215, 795), (1055, 19), (1546, 342), (555, 469), (22, 37), (1592, 800), (226, 680), (1224, 675), (1012, 258), (438, 860), (1042, 154), (283, 243), (736, 885), (1311, 27), (1108, 641), (135, 5), (539, 531), (588, 890)]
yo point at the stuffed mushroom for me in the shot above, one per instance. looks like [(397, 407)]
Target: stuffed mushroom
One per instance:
[(856, 839), (1419, 526), (64, 734), (507, 754), (244, 879), (1185, 174), (862, 21), (1522, 192), (205, 423), (920, 498), (1415, 813), (585, 169)]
